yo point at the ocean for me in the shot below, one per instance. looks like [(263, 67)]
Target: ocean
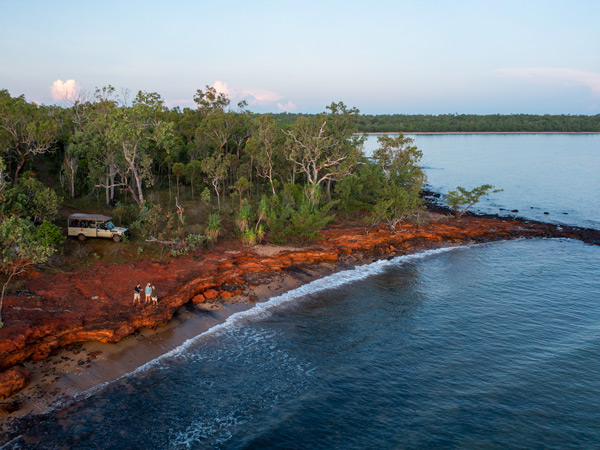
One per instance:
[(482, 346)]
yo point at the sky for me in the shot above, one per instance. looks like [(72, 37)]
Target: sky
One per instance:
[(383, 57)]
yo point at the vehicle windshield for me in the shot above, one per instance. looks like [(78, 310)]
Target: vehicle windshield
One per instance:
[(110, 225)]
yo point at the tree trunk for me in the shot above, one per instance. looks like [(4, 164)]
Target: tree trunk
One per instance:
[(107, 190), (19, 167)]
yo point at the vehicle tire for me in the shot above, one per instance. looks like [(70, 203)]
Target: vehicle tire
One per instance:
[(81, 237), (116, 238)]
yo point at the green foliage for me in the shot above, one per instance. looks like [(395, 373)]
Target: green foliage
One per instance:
[(249, 237), (178, 169), (22, 245), (49, 235), (31, 198), (260, 233), (26, 130), (129, 212), (244, 216), (360, 190), (190, 243), (403, 180), (293, 217), (150, 219), (452, 123), (323, 148), (192, 170), (213, 229), (205, 196), (461, 199)]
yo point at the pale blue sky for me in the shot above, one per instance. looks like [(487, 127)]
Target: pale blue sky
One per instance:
[(425, 56)]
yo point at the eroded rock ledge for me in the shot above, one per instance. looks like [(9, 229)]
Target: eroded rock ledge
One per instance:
[(96, 303)]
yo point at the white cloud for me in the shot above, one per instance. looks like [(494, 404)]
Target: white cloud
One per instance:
[(222, 87), (261, 97), (565, 76), (65, 90), (258, 97), (288, 107)]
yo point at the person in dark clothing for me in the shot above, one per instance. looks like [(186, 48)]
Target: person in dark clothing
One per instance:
[(137, 294)]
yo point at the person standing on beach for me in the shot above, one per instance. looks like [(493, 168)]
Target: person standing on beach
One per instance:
[(154, 296), (136, 293), (148, 292)]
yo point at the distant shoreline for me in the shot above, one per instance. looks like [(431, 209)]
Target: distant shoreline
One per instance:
[(476, 132)]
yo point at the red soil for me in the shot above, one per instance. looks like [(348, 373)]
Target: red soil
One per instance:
[(96, 303)]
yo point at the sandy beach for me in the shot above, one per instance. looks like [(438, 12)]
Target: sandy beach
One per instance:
[(80, 363), (82, 369)]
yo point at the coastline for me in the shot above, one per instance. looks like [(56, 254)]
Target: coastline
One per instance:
[(82, 369), (260, 274)]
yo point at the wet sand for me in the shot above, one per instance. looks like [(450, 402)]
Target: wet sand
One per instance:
[(82, 368)]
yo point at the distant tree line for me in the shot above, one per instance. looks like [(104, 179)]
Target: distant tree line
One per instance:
[(452, 123)]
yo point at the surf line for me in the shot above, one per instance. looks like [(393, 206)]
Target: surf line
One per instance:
[(263, 309)]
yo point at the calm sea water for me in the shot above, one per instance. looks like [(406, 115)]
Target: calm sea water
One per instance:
[(554, 173), (485, 346)]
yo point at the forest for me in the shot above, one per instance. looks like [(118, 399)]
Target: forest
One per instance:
[(183, 179), (465, 123)]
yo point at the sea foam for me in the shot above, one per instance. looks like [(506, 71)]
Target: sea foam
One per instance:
[(264, 309)]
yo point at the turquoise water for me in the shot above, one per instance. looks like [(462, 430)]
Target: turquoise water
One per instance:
[(484, 346)]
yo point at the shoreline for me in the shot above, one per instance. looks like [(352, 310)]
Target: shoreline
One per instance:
[(87, 368), (260, 274)]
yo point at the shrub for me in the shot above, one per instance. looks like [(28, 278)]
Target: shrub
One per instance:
[(244, 216), (213, 229), (249, 238), (293, 217), (189, 244)]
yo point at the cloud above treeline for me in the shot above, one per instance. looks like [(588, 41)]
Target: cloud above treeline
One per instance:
[(70, 90), (590, 80), (254, 97), (65, 90)]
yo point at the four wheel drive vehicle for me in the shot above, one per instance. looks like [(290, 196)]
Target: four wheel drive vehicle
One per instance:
[(94, 225)]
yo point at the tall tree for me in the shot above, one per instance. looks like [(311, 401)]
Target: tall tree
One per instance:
[(26, 129), (21, 245), (265, 147), (399, 161), (133, 130), (210, 100), (322, 147)]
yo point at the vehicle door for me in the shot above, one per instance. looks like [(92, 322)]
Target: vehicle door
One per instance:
[(102, 230)]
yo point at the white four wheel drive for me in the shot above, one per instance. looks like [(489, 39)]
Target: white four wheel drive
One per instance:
[(94, 225)]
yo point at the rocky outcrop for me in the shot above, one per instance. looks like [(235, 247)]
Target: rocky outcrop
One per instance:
[(97, 303), (13, 380)]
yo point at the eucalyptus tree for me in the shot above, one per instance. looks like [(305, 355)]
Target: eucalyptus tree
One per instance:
[(178, 171), (132, 131), (399, 198), (192, 170), (26, 129), (266, 149), (215, 167), (323, 148), (210, 100), (90, 141)]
